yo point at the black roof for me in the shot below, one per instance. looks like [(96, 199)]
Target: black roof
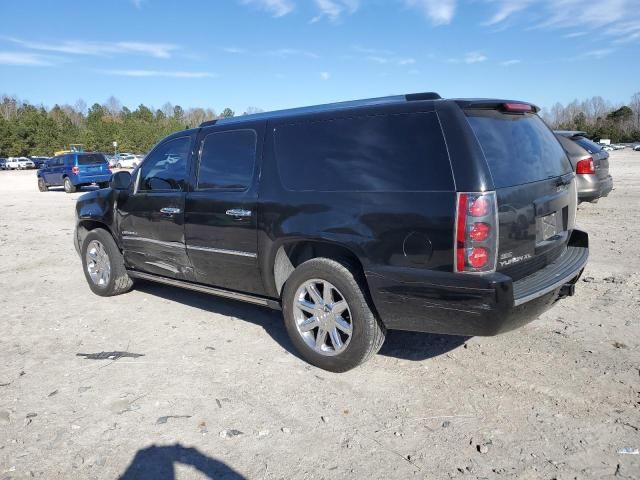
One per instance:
[(367, 102)]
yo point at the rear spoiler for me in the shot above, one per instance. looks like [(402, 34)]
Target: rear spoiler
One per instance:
[(513, 106)]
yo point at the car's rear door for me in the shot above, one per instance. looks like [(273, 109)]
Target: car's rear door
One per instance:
[(221, 214), (534, 184), (151, 216)]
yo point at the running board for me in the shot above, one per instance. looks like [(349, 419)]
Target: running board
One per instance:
[(218, 292)]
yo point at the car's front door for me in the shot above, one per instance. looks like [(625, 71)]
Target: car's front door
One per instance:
[(221, 217), (151, 216)]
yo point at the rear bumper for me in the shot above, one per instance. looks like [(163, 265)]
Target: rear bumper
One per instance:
[(590, 187), (87, 179), (459, 304)]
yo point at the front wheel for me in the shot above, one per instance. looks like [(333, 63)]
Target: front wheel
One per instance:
[(103, 264), (68, 186), (42, 186), (328, 317)]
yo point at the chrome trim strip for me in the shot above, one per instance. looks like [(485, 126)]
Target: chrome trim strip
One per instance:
[(153, 240), (224, 251), (203, 288)]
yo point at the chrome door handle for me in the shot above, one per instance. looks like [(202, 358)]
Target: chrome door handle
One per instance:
[(170, 210), (238, 212)]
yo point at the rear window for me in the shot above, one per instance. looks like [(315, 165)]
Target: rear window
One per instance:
[(587, 144), (400, 152), (518, 148), (91, 159)]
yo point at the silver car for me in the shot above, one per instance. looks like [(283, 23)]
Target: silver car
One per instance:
[(591, 164)]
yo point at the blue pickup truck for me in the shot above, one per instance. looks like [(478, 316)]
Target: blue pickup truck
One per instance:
[(74, 170)]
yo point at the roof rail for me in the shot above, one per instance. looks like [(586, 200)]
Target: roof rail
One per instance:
[(326, 107)]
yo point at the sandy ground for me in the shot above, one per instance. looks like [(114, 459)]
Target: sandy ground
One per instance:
[(219, 392)]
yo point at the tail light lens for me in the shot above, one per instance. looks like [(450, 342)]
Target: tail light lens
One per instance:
[(75, 170), (476, 241), (585, 166)]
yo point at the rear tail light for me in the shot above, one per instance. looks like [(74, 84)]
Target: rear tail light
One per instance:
[(75, 170), (585, 166), (476, 239)]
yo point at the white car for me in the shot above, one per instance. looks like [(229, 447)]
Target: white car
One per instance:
[(19, 163), (127, 160)]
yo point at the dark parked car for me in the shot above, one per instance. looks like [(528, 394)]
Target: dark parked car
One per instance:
[(408, 212), (3, 163), (591, 164), (39, 161), (74, 170)]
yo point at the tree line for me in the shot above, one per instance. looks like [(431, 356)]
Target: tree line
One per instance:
[(27, 129), (598, 118)]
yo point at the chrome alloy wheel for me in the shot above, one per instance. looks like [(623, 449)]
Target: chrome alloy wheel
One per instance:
[(322, 316), (98, 265)]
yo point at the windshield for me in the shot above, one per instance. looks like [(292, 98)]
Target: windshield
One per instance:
[(91, 159), (518, 148)]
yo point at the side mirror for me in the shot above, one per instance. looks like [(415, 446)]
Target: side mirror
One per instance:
[(120, 181)]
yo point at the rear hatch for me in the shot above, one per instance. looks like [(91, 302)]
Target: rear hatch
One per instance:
[(600, 156), (92, 164), (534, 184)]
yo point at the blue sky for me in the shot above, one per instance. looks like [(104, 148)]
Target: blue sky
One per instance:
[(283, 53)]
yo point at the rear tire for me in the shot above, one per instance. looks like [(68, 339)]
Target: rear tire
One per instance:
[(366, 335), (100, 254), (103, 185), (42, 186), (68, 186), (119, 165)]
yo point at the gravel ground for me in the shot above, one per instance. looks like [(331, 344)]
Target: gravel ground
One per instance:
[(219, 393)]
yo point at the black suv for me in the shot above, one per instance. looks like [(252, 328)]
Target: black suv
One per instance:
[(407, 212)]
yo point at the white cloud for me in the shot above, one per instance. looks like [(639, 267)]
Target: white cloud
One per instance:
[(507, 63), (137, 3), (474, 57), (599, 53), (575, 34), (289, 52), (334, 9), (406, 61), (506, 8), (75, 47), (277, 8), (325, 75), (234, 50), (158, 73), (380, 60), (24, 59), (440, 12)]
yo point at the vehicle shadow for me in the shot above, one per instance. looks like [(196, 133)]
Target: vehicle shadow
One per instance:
[(90, 188), (403, 345), (158, 462)]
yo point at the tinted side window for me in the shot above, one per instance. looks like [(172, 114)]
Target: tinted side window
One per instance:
[(165, 168), (400, 152), (227, 160), (588, 145)]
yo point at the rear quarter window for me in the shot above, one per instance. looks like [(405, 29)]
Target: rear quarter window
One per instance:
[(587, 144), (518, 148), (399, 152)]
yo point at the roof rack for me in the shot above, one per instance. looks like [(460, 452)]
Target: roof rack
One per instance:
[(411, 97)]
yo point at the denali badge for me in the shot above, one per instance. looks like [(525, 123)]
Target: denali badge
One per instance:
[(511, 259)]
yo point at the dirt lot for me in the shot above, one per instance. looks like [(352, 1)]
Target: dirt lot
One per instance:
[(219, 392)]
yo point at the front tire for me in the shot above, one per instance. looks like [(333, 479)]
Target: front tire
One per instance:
[(103, 264), (42, 186), (328, 317), (68, 186)]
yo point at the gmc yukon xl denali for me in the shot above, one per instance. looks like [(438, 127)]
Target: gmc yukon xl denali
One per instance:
[(409, 212)]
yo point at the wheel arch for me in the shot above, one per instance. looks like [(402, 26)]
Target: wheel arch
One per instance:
[(292, 253)]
